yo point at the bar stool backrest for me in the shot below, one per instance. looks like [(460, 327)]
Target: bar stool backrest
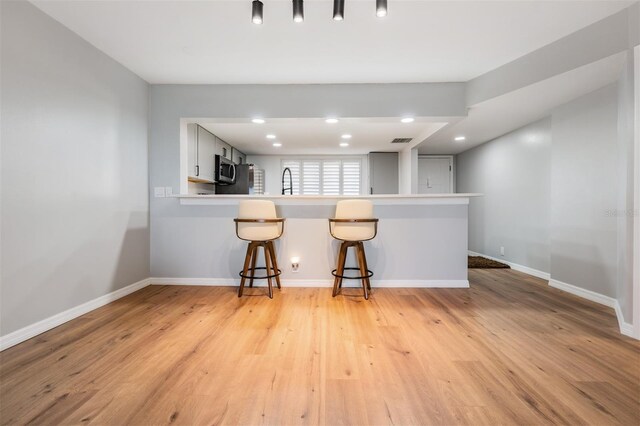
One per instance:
[(255, 231), (354, 209)]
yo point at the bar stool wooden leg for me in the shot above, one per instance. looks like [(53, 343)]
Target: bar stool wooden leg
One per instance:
[(366, 267), (274, 262), (245, 269), (254, 258), (363, 270), (342, 255), (267, 260)]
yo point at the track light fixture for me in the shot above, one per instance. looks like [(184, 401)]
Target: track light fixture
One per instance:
[(298, 11), (381, 8), (256, 12), (338, 10)]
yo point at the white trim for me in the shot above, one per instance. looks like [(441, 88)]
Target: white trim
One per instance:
[(213, 282), (625, 328), (47, 324), (636, 197), (515, 266), (585, 294)]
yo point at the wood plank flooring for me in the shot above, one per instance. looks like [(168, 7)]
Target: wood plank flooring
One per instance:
[(509, 350)]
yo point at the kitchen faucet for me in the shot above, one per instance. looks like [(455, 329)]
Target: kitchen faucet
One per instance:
[(290, 188)]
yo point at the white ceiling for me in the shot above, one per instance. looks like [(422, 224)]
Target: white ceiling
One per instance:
[(419, 41), (314, 136), (506, 113)]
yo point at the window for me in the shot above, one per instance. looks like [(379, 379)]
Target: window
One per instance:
[(324, 176)]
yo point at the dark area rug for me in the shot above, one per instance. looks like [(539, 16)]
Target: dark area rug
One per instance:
[(479, 262)]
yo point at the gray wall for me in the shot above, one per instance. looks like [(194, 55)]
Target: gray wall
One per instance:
[(199, 241), (513, 173), (584, 186), (169, 103), (74, 170), (552, 193)]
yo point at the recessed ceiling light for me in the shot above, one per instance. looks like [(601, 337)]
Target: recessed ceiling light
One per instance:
[(344, 144), (346, 136), (277, 144), (331, 120), (271, 136), (408, 120), (459, 138), (258, 121), (381, 8)]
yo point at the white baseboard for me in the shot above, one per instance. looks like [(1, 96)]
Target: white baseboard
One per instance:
[(625, 327), (314, 283), (585, 294), (46, 324), (515, 266)]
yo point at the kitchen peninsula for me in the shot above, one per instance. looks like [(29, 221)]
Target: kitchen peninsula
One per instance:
[(422, 240)]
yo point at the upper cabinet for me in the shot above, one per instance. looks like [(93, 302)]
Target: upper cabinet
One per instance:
[(201, 150), (238, 157), (223, 149)]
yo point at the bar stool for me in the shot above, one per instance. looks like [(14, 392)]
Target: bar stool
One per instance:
[(257, 223), (353, 224)]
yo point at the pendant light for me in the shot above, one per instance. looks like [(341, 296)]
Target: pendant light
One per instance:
[(256, 12), (338, 10), (381, 8), (298, 11)]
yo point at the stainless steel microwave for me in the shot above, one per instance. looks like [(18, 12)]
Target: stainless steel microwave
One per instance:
[(224, 170)]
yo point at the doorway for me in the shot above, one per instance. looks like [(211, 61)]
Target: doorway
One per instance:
[(435, 174)]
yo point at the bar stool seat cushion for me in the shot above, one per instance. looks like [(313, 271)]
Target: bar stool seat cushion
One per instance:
[(354, 209), (258, 209)]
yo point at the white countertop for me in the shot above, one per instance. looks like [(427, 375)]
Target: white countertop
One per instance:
[(390, 199)]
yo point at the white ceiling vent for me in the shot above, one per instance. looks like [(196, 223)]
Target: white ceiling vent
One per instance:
[(402, 140)]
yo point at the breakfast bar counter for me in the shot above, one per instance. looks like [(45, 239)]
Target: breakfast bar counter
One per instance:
[(421, 241)]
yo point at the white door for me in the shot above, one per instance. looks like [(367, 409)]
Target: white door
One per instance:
[(434, 175)]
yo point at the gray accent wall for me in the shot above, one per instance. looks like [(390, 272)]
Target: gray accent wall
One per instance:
[(513, 173), (556, 193), (184, 254), (584, 186), (74, 170)]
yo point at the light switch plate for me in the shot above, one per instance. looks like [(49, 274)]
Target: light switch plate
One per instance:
[(158, 192)]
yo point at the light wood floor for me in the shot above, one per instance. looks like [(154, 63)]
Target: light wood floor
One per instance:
[(508, 350)]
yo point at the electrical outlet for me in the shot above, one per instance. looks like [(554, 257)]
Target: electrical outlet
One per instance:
[(295, 264), (501, 251), (158, 192), (168, 191)]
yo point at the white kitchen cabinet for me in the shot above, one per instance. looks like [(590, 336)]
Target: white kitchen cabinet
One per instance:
[(223, 149), (192, 150), (238, 157), (201, 152)]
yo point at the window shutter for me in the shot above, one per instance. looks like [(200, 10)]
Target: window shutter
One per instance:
[(331, 177), (311, 177), (351, 177), (326, 177)]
